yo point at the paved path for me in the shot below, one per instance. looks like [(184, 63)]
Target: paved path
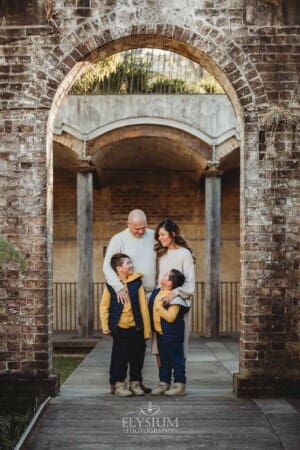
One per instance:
[(85, 416)]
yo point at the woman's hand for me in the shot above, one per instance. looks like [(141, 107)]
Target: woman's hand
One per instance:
[(168, 298)]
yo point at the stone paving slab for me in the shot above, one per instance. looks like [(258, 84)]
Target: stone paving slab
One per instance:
[(85, 416)]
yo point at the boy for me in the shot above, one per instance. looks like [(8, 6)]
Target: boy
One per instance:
[(129, 325), (168, 322)]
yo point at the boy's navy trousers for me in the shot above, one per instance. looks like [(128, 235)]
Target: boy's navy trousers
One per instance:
[(128, 348)]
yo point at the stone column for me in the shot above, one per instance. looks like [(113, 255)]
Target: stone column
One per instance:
[(212, 251), (85, 247)]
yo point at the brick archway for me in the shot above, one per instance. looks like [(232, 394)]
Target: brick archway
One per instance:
[(258, 68), (220, 56), (206, 45)]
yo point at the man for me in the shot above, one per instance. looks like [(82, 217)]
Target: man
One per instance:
[(137, 241)]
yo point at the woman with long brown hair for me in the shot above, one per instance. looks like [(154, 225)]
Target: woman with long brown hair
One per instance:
[(173, 252)]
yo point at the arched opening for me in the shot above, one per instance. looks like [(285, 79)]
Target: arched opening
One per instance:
[(203, 50), (172, 138)]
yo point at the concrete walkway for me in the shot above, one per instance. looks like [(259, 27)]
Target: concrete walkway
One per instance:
[(85, 416)]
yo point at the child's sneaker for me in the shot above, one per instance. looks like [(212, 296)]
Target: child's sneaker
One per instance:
[(160, 389), (121, 390), (176, 389), (136, 389)]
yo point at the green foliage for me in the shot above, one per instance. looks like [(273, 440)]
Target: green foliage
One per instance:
[(135, 73), (8, 253), (13, 424), (130, 77), (114, 75), (91, 80), (168, 86), (210, 85), (65, 365), (11, 428)]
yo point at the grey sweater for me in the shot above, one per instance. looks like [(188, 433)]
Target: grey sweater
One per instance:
[(141, 252), (180, 259)]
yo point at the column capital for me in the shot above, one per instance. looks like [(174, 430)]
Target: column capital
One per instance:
[(212, 171), (85, 164)]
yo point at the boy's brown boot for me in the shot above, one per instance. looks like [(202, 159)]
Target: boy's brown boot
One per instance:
[(176, 389), (136, 389), (121, 390), (160, 389)]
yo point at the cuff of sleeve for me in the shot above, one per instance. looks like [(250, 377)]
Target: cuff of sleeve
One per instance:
[(119, 287)]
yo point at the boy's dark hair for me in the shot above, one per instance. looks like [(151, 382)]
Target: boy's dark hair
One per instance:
[(176, 277), (117, 260)]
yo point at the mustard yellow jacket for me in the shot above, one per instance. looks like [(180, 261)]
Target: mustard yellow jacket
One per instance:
[(126, 319), (160, 312)]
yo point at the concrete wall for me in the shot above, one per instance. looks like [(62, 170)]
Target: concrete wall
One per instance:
[(210, 117)]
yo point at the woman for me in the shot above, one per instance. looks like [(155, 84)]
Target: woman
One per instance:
[(173, 252)]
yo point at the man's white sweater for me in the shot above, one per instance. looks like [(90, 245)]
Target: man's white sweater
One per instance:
[(141, 252)]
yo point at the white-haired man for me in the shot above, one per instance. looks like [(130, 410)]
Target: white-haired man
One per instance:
[(136, 241)]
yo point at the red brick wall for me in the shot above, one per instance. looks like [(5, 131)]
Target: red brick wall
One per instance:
[(258, 67)]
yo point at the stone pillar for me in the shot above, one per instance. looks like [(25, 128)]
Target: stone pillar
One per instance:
[(85, 247), (212, 251)]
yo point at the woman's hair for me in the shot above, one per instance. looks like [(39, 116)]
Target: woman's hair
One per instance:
[(173, 229)]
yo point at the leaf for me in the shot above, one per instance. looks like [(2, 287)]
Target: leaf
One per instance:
[(8, 253)]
